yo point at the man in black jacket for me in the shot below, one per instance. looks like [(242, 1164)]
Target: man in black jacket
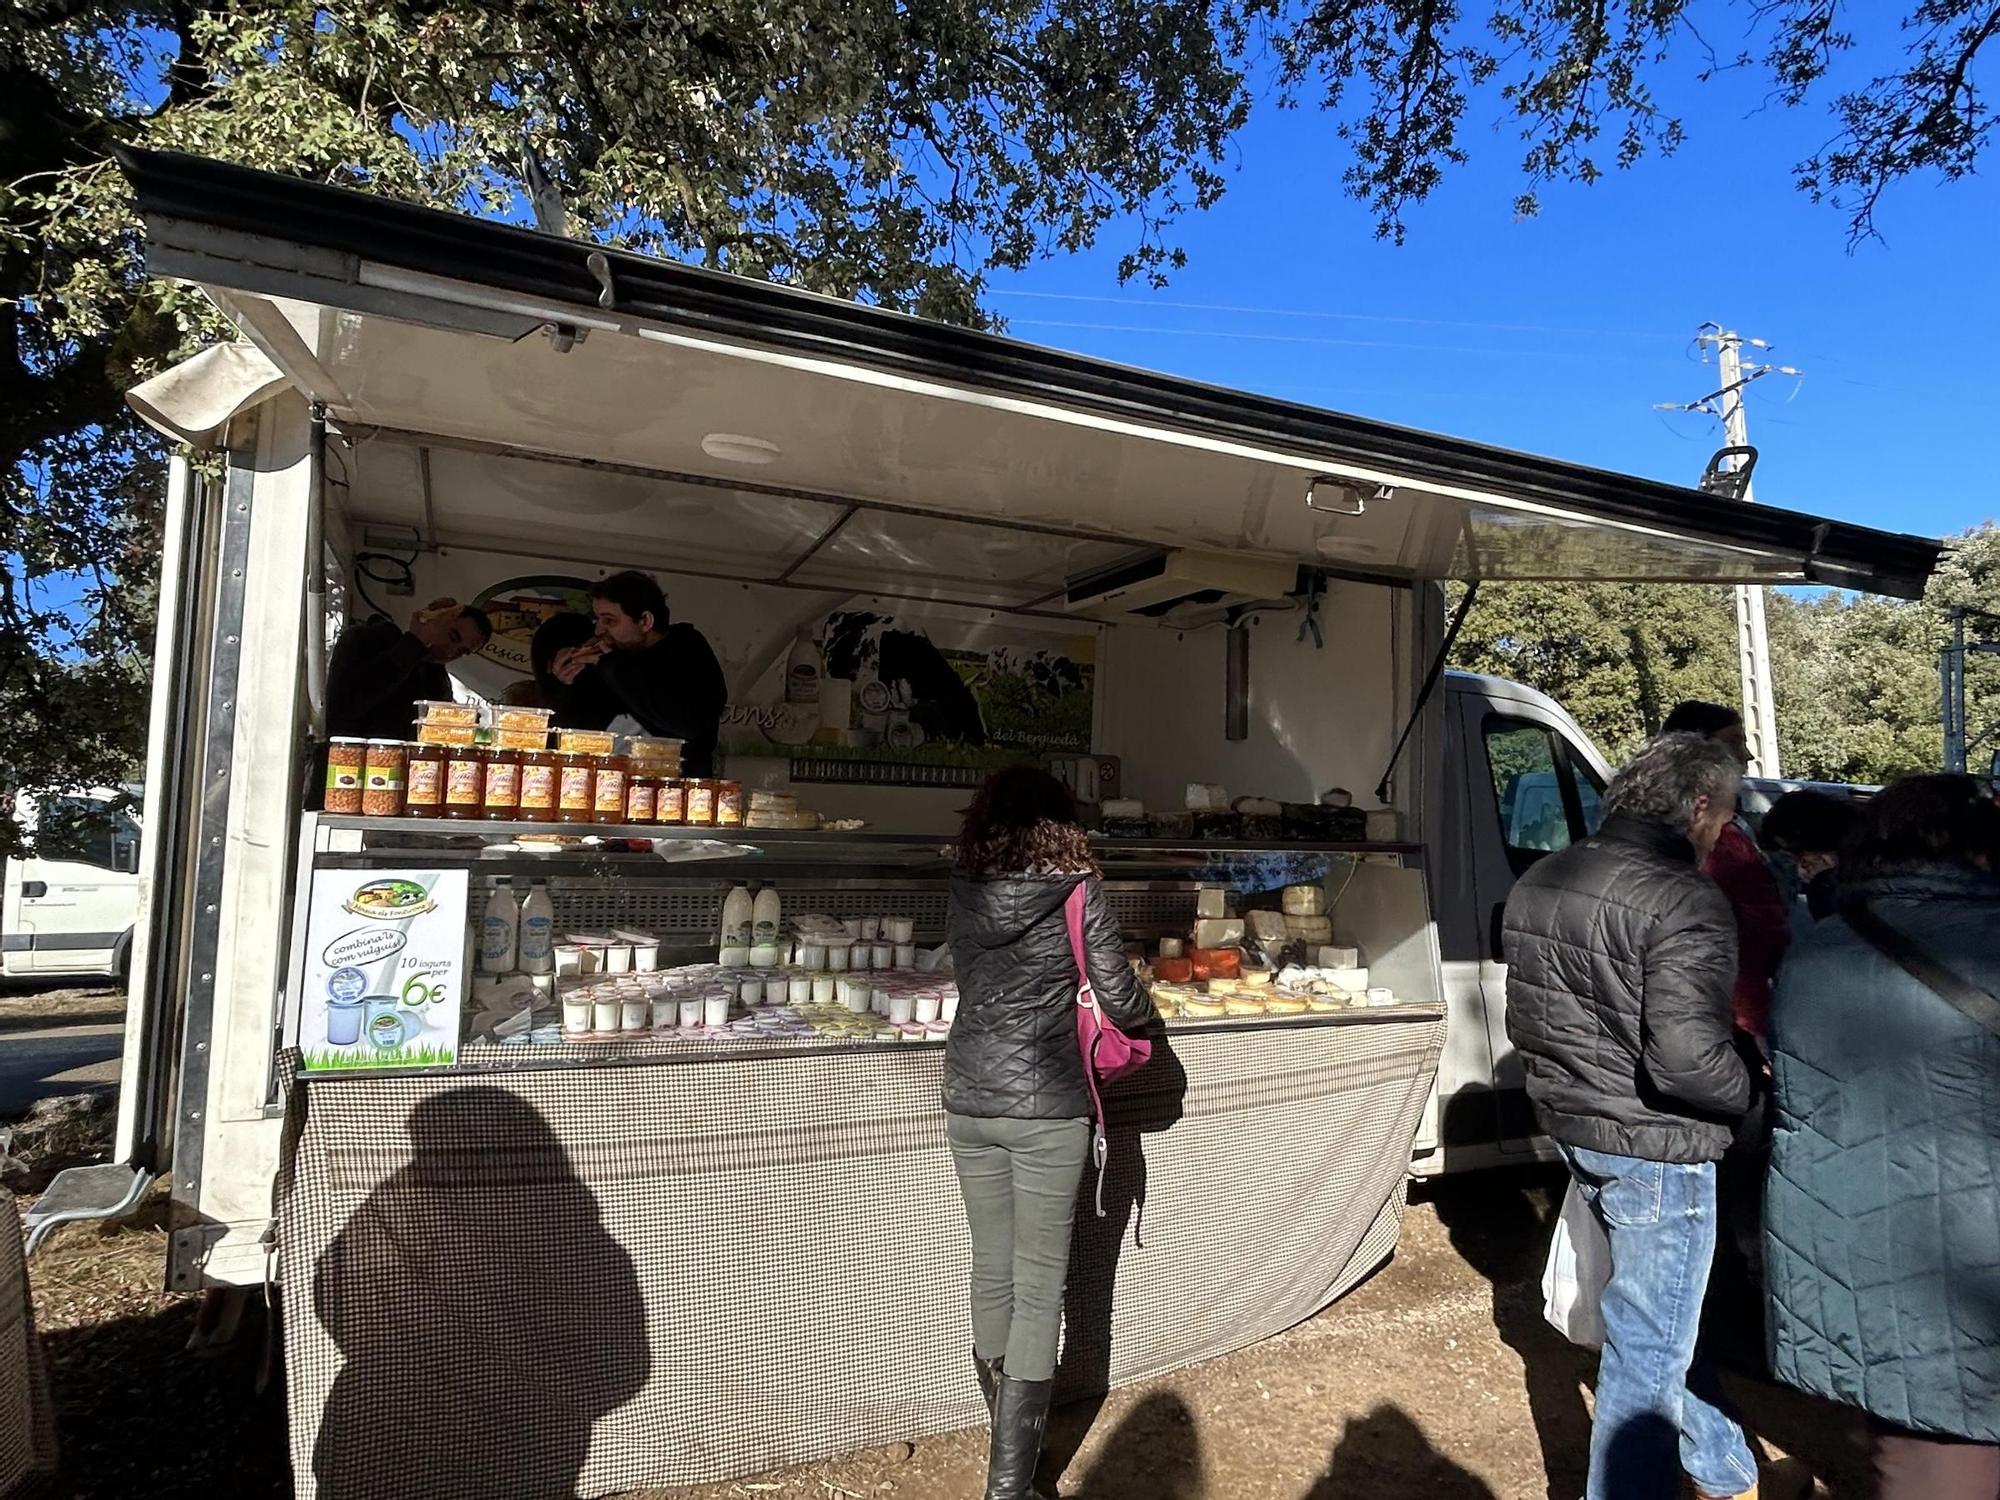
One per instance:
[(663, 674), (1621, 955), (378, 670)]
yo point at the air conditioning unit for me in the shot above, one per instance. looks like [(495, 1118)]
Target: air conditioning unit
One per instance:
[(1180, 586)]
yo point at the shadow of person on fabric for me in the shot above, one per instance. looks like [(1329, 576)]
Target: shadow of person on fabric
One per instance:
[(487, 1318), (1500, 1222), (1386, 1453), (1147, 1102), (1154, 1453)]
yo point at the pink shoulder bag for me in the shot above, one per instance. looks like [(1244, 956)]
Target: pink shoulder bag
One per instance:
[(1107, 1052)]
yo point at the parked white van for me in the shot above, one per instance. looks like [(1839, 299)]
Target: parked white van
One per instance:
[(70, 907)]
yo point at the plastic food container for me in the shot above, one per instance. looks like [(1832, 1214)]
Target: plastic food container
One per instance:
[(521, 739), (346, 766), (446, 734), (586, 741), (509, 718), (652, 747), (436, 711)]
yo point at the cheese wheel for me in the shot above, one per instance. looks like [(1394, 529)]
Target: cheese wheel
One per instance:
[(1285, 1005), (1203, 1009), (1304, 900)]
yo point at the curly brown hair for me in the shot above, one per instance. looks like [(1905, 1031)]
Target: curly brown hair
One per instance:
[(1023, 822)]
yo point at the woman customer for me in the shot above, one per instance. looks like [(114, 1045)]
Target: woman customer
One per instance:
[(1017, 1105), (1802, 835), (1882, 1256)]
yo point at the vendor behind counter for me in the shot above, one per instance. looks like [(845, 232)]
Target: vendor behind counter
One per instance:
[(378, 671), (642, 664)]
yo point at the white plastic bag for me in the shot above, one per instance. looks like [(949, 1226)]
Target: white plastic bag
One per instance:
[(1579, 1267)]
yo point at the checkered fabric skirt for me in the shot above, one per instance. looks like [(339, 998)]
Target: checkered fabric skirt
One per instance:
[(593, 1279), (27, 1419)]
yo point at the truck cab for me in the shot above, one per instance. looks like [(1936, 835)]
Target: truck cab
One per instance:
[(69, 907)]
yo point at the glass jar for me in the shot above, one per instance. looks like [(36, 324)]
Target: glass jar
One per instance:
[(382, 781), (573, 787), (700, 804), (464, 781), (729, 804), (346, 766), (502, 800), (642, 797), (608, 800), (538, 786), (423, 781), (670, 806)]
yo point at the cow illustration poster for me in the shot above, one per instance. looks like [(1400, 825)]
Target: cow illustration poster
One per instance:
[(924, 685)]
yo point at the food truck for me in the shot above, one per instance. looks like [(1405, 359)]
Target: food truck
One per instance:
[(641, 1173)]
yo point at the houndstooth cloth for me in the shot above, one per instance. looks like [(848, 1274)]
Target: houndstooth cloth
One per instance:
[(592, 1279), (27, 1418)]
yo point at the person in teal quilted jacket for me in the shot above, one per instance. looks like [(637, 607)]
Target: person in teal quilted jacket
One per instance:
[(1882, 1215)]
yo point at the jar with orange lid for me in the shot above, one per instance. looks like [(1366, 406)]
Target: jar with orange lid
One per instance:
[(464, 781), (608, 798), (670, 806), (700, 804), (423, 781), (575, 802), (729, 804), (538, 785), (642, 797), (502, 798)]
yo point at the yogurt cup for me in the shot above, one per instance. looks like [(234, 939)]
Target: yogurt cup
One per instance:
[(882, 955), (732, 957), (799, 988), (618, 958), (576, 1014), (605, 1013), (666, 1012), (715, 1008), (899, 929), (839, 955), (906, 955), (825, 989), (870, 929), (812, 955), (902, 1007), (929, 1006), (693, 1011), (645, 957), (635, 1013)]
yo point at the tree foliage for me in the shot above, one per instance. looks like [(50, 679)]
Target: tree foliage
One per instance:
[(1855, 679), (895, 151)]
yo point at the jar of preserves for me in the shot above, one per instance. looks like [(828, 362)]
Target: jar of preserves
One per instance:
[(729, 804), (423, 783), (642, 796), (382, 779), (608, 800), (464, 781), (538, 785), (670, 805), (502, 797), (700, 804), (346, 766), (574, 801)]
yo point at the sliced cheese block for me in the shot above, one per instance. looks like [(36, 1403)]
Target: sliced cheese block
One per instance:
[(1331, 957), (1257, 978), (1211, 901), (1218, 932), (1353, 981), (1266, 926), (1206, 796), (1304, 900), (1310, 929)]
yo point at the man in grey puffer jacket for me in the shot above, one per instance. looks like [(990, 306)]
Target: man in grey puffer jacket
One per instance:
[(1621, 956)]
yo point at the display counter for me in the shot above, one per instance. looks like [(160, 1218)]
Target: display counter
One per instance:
[(669, 1260)]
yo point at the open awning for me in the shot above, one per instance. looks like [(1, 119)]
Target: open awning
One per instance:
[(504, 385)]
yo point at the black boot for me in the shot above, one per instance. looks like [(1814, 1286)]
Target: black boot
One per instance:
[(1020, 1412), (990, 1371)]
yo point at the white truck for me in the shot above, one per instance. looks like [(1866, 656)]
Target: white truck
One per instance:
[(515, 414), (68, 908)]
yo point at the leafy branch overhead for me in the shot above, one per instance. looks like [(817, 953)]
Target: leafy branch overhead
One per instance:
[(896, 151)]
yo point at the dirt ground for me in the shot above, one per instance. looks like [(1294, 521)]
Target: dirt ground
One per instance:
[(1437, 1380), (27, 1004)]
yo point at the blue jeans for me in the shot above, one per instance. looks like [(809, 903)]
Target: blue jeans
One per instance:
[(1656, 1415)]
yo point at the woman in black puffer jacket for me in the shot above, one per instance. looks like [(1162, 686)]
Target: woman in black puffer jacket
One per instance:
[(1017, 1104)]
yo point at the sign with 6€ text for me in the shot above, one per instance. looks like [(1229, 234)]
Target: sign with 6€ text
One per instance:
[(384, 977)]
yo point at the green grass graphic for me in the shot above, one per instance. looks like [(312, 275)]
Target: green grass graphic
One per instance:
[(367, 1057)]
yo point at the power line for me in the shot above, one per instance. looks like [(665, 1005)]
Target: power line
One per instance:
[(1297, 338)]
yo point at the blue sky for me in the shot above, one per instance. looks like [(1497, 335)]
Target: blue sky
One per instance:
[(1557, 334)]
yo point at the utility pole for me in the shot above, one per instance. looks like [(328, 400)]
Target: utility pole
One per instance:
[(1753, 647)]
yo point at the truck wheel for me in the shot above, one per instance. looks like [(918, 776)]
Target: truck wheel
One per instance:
[(121, 959)]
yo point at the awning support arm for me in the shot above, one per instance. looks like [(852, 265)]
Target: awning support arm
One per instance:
[(1430, 686)]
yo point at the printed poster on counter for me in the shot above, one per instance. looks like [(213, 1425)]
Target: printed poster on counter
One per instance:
[(385, 974)]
